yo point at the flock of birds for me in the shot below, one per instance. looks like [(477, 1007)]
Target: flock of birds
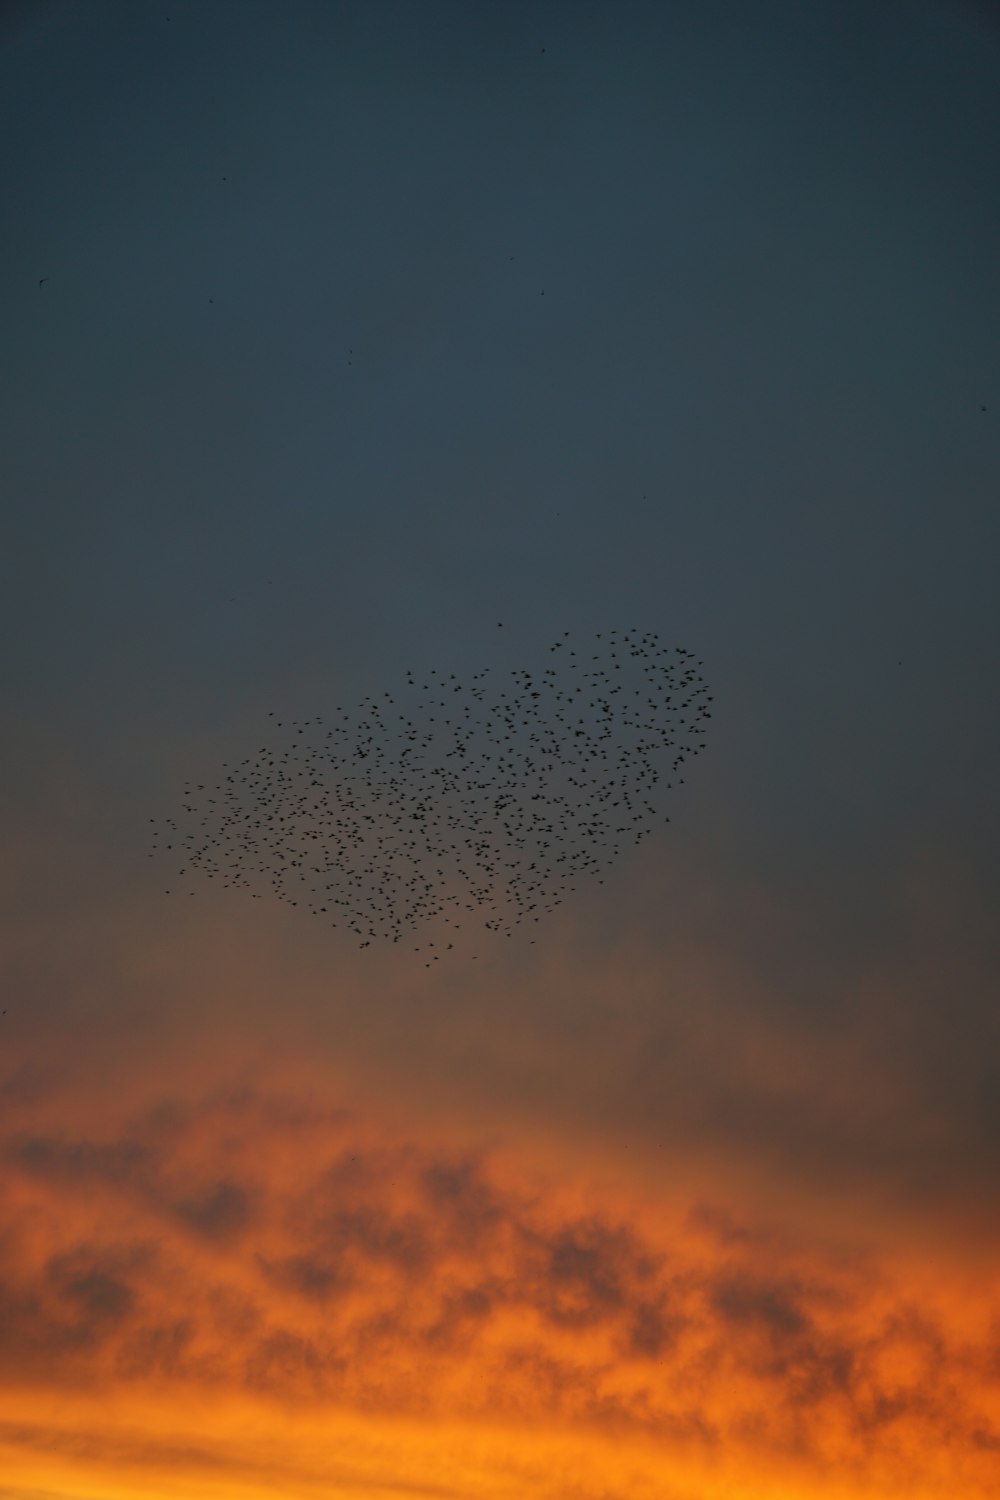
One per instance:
[(445, 804)]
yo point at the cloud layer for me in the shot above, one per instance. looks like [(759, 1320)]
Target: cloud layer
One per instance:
[(251, 1247)]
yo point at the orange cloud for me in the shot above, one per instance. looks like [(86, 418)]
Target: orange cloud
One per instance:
[(263, 1295)]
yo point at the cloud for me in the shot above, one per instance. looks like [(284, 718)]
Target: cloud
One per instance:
[(250, 1248), (218, 1213), (81, 1161), (310, 1277)]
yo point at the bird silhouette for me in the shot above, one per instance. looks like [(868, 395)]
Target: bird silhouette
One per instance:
[(443, 804)]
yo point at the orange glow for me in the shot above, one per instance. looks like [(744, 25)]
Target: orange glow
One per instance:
[(253, 1292)]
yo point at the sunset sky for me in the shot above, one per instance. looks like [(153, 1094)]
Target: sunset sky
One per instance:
[(345, 338)]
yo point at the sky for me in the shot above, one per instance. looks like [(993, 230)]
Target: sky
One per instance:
[(346, 339)]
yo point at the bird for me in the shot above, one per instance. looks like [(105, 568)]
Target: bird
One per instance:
[(444, 803), (43, 279)]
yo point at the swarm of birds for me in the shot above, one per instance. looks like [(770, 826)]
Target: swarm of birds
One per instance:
[(445, 804)]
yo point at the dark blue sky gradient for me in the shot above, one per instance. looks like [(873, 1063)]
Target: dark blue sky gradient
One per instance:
[(369, 326)]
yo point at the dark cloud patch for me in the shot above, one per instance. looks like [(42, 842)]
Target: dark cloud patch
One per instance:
[(744, 1301), (221, 1212), (82, 1162), (459, 1193), (99, 1296), (653, 1328), (581, 1282), (376, 1234), (73, 1307), (151, 1170), (585, 1273), (771, 1326), (313, 1278)]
